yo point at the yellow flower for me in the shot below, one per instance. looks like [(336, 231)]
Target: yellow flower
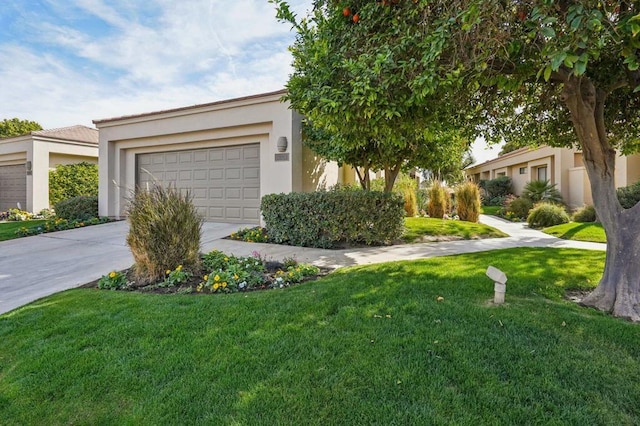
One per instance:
[(112, 274), (235, 276), (168, 271), (224, 285), (226, 259), (290, 274), (216, 286), (216, 278), (206, 277), (199, 287), (179, 268)]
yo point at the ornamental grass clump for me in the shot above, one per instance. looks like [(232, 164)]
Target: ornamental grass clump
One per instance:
[(437, 205), (468, 199), (164, 231)]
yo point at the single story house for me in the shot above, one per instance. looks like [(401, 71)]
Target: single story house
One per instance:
[(25, 162), (228, 154), (561, 166)]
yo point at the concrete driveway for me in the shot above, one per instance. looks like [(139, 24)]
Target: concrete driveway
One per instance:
[(38, 266)]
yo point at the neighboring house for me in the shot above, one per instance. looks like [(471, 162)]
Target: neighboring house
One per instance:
[(228, 154), (25, 162), (561, 166)]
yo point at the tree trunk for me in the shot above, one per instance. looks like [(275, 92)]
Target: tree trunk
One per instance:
[(619, 289), (390, 175), (364, 178)]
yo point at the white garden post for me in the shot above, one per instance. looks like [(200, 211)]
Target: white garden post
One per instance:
[(500, 284)]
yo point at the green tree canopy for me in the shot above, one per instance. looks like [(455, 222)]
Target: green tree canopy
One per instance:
[(351, 79), (15, 127), (558, 72)]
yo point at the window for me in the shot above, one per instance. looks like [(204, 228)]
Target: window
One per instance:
[(502, 174), (542, 173), (522, 170)]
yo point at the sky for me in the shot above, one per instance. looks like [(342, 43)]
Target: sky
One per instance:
[(68, 62)]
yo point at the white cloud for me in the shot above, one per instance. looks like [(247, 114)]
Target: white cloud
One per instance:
[(88, 59)]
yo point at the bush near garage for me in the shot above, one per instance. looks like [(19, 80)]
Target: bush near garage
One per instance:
[(328, 219), (77, 208), (73, 180), (164, 232)]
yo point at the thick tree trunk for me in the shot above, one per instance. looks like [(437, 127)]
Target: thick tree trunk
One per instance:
[(619, 289), (390, 175)]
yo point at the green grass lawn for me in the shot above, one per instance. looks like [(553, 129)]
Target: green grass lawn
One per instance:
[(492, 210), (418, 227), (365, 345), (8, 229), (578, 231)]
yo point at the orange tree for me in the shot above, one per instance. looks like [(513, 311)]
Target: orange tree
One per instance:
[(560, 72), (352, 81)]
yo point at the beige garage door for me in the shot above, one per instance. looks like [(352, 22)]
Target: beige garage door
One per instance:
[(13, 187), (224, 182)]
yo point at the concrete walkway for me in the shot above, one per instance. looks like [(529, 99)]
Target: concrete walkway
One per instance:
[(35, 267)]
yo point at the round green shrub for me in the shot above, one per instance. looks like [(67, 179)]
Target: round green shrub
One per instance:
[(545, 214), (585, 214), (519, 207), (77, 208), (629, 196)]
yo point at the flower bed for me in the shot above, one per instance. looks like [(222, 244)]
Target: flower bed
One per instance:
[(221, 273), (59, 224)]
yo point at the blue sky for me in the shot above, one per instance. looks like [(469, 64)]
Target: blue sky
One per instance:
[(67, 62)]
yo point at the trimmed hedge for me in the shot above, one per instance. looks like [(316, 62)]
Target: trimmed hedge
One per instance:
[(585, 214), (72, 180), (328, 219), (629, 196), (77, 208)]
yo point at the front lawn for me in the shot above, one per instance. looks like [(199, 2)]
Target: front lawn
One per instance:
[(365, 345), (424, 228), (491, 210), (578, 231), (8, 229)]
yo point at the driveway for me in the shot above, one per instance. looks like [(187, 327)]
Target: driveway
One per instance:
[(38, 266)]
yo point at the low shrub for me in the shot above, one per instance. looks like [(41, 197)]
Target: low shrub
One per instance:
[(164, 232), (546, 214), (519, 207), (327, 219), (73, 180), (77, 208), (410, 202), (437, 205), (251, 235), (629, 196), (114, 280), (468, 202), (498, 187), (59, 224), (585, 214), (17, 215)]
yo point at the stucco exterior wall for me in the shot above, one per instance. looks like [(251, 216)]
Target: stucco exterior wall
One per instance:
[(633, 169), (39, 153), (259, 119)]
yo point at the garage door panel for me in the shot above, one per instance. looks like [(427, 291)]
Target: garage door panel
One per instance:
[(224, 182), (233, 174), (13, 187), (251, 173)]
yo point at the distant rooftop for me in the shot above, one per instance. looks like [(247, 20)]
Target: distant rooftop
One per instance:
[(72, 133)]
